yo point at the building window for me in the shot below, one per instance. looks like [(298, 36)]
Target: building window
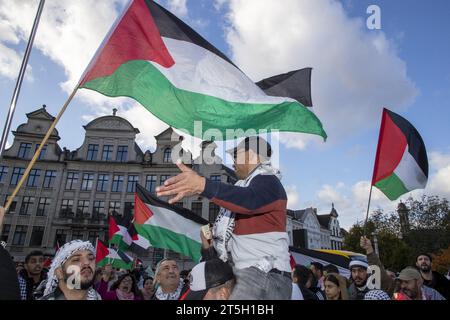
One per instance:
[(36, 236), (43, 151), (215, 177), (107, 152), (3, 172), (83, 208), (33, 178), (163, 178), (92, 152), (24, 150), (44, 204), (60, 237), (77, 234), (16, 175), (213, 212), (122, 152), (12, 207), (131, 185), (19, 235), (86, 183), (27, 203), (102, 182), (66, 207), (99, 208), (72, 180), (128, 209), (49, 179), (167, 155), (5, 232), (197, 208), (92, 237), (114, 208), (117, 184), (150, 182)]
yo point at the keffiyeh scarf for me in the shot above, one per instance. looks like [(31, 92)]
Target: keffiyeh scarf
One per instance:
[(225, 221), (64, 253)]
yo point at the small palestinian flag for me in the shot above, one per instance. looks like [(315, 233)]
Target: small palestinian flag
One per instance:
[(156, 59), (167, 226), (139, 244), (116, 258), (401, 163), (118, 234)]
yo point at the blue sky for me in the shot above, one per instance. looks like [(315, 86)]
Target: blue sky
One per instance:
[(356, 71)]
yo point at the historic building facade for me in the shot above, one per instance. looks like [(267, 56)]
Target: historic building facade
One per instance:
[(69, 194)]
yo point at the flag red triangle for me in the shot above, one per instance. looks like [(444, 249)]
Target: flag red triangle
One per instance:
[(141, 211), (113, 228), (101, 251)]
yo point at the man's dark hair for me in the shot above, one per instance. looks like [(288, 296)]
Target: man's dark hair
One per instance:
[(331, 268), (303, 274), (35, 253), (424, 254), (318, 266)]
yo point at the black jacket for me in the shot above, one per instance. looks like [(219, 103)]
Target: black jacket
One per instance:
[(31, 285), (9, 285), (439, 283)]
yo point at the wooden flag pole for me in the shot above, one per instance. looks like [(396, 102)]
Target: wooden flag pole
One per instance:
[(36, 155)]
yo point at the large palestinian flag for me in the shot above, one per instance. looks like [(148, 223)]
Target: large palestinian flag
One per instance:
[(167, 226), (153, 57), (401, 163), (116, 258)]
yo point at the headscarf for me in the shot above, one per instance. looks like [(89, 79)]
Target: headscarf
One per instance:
[(64, 253)]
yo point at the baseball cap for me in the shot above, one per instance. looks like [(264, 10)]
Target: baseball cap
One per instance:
[(207, 275), (255, 143), (409, 273)]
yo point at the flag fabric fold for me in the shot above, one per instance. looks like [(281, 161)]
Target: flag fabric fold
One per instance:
[(167, 226), (155, 58), (401, 163)]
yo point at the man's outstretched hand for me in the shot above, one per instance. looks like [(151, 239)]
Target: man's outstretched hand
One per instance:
[(185, 184)]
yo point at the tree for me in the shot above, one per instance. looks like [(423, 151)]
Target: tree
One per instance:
[(429, 231), (441, 261)]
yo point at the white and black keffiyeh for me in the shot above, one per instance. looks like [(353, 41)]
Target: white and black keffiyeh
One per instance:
[(64, 253), (160, 295), (376, 295), (224, 223)]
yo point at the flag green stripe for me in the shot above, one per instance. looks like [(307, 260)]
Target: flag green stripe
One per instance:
[(166, 239), (141, 81), (117, 239), (392, 186), (116, 263)]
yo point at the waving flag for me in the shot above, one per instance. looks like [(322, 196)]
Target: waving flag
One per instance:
[(116, 258), (118, 234), (153, 57), (401, 163), (167, 226)]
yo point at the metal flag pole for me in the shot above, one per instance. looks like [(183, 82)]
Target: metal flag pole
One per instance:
[(12, 106)]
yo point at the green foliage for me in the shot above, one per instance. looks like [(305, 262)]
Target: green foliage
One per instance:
[(429, 219)]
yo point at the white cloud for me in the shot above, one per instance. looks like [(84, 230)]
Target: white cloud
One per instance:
[(351, 202), (356, 71), (178, 7), (218, 4), (293, 196)]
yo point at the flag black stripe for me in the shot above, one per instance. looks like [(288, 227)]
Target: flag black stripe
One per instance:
[(148, 198), (295, 84), (416, 146), (170, 26)]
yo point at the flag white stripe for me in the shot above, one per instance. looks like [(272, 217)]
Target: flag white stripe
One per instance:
[(410, 173), (199, 70), (172, 221)]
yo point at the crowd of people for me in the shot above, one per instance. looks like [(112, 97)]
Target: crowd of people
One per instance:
[(247, 257)]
